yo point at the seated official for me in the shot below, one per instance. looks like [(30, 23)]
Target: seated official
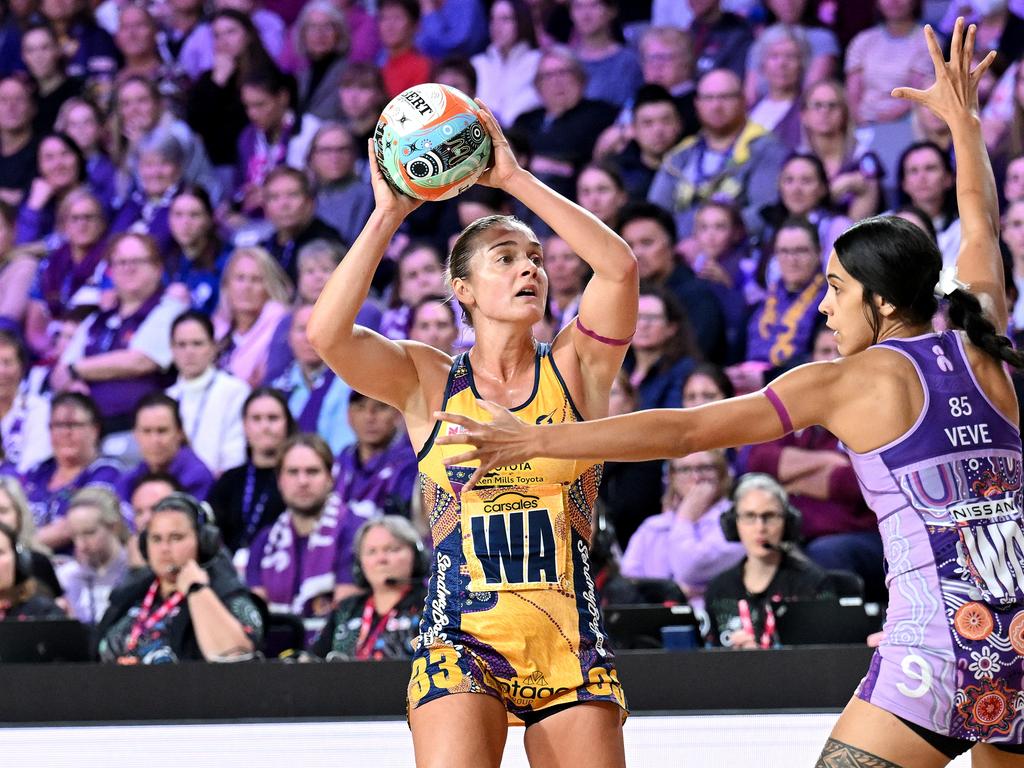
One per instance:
[(177, 609), (740, 601), (382, 621), (18, 598)]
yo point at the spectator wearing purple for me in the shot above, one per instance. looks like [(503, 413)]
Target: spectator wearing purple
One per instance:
[(61, 168), (24, 416), (17, 273), (246, 499), (184, 19), (507, 69), (214, 107), (81, 120), (137, 39), (783, 59), (782, 327), (209, 400), (377, 474), (160, 435), (321, 39), (650, 232), (255, 294), (803, 193), (140, 115), (685, 542), (564, 130), (663, 350), (854, 175), (840, 531), (18, 142), (276, 136), (362, 29), (317, 261), (344, 201), (207, 47), (89, 50), (613, 72), (76, 462), (730, 158), (302, 563), (122, 354), (72, 274), (193, 265), (100, 562), (42, 56), (317, 397), (161, 164), (420, 274), (451, 28), (720, 39)]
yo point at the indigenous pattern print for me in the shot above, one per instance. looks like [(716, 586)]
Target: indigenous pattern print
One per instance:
[(948, 500), (511, 607)]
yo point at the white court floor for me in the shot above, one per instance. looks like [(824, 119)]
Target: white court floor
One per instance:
[(719, 741)]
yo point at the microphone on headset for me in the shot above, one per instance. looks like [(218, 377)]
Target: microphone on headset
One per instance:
[(782, 547), (395, 581)]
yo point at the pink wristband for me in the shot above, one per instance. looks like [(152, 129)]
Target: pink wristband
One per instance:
[(603, 339)]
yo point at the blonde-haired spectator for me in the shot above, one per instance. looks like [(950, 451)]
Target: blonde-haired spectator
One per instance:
[(255, 293)]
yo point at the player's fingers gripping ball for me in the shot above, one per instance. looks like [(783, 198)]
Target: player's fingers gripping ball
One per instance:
[(429, 142)]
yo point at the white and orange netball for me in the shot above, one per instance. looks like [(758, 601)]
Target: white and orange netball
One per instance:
[(430, 143)]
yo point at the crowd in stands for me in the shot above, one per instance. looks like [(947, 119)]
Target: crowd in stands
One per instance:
[(179, 179)]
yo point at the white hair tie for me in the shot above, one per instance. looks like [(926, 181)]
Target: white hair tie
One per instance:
[(949, 282)]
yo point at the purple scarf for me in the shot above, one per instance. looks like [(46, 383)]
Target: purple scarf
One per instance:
[(61, 277), (293, 586), (367, 488), (310, 415)]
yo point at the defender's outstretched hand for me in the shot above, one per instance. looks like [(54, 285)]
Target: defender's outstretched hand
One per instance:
[(504, 165), (505, 440), (954, 93)]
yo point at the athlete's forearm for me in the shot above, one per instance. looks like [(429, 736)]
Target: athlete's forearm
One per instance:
[(594, 242), (641, 436), (976, 193)]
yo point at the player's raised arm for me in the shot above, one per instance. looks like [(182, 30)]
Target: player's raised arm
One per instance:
[(368, 362), (607, 315), (954, 98)]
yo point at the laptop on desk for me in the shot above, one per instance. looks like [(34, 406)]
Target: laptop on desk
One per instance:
[(639, 626), (827, 622), (47, 640)]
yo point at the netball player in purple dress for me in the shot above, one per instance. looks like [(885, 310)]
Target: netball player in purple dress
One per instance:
[(930, 423)]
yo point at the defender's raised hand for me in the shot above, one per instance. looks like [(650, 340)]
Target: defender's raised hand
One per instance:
[(954, 93)]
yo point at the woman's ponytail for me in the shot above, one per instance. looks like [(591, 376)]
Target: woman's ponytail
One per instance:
[(965, 312)]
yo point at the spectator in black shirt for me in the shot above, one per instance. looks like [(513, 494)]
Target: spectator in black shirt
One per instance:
[(17, 141), (18, 598)]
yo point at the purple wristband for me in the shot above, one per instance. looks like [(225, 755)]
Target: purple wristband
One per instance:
[(780, 409), (603, 339)]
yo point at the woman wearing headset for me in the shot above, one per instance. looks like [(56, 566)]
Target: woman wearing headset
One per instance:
[(740, 601), (382, 621), (189, 604), (18, 598)]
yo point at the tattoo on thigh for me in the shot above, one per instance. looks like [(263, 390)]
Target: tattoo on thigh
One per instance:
[(836, 754)]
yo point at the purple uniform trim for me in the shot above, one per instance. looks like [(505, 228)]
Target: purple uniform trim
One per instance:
[(780, 409), (603, 339)]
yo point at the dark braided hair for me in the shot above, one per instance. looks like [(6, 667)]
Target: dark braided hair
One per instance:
[(965, 312)]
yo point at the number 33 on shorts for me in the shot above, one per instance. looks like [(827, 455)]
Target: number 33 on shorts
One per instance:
[(447, 676)]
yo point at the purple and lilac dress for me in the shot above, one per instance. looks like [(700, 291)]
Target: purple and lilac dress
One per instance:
[(948, 499)]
